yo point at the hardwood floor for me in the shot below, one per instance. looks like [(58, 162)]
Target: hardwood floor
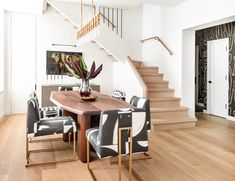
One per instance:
[(203, 153)]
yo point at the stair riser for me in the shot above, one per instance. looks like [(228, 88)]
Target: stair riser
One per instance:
[(157, 85), (160, 94), (164, 104), (168, 114), (148, 71), (137, 64), (163, 127), (152, 78)]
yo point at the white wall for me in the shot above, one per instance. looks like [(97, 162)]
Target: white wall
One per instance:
[(23, 48), (7, 57), (2, 108), (190, 14), (188, 82), (72, 11), (152, 21), (132, 30), (125, 80), (51, 28)]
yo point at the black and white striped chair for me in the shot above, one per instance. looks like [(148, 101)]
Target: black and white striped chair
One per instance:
[(118, 94), (46, 112), (37, 127), (140, 102), (120, 132)]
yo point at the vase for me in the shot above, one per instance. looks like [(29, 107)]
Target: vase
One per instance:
[(85, 89)]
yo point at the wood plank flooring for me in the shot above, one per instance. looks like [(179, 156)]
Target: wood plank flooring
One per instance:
[(203, 153)]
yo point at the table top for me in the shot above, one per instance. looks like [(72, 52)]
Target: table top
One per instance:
[(71, 101)]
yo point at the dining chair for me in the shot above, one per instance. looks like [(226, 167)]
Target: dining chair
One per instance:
[(45, 112), (66, 88), (121, 132), (118, 94), (39, 127), (140, 102)]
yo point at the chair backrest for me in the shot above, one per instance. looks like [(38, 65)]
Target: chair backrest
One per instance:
[(66, 88), (33, 115), (140, 102), (33, 94), (111, 121), (118, 94)]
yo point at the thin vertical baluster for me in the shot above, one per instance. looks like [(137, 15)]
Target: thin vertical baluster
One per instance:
[(121, 22), (117, 21), (108, 17), (112, 18), (81, 12), (104, 14)]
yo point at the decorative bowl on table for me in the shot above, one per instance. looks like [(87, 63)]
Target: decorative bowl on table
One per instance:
[(90, 98)]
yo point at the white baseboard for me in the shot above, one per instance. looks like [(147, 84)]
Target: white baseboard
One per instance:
[(230, 118), (205, 111), (200, 104), (2, 116)]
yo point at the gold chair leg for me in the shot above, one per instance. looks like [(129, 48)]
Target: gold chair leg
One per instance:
[(69, 138), (119, 155), (88, 153), (27, 149), (130, 161), (74, 145), (120, 152), (50, 162)]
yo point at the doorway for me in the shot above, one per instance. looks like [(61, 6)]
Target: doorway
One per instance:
[(217, 77)]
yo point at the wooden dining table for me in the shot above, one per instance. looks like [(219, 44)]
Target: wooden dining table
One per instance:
[(84, 111)]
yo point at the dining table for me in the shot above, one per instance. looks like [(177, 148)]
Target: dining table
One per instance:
[(85, 112)]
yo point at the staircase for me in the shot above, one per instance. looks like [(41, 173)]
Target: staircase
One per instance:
[(166, 112)]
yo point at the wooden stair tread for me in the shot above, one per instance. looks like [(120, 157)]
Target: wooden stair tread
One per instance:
[(136, 61), (148, 73), (151, 74), (170, 109), (158, 81), (148, 67), (173, 120), (165, 99), (160, 90)]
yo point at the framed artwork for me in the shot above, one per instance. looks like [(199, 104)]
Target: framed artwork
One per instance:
[(56, 60)]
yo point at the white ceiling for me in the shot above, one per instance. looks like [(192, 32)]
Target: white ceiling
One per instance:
[(128, 3), (36, 6), (26, 6)]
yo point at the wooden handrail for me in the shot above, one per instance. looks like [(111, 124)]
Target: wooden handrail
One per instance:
[(158, 39)]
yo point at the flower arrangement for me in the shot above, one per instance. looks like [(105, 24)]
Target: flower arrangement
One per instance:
[(78, 69)]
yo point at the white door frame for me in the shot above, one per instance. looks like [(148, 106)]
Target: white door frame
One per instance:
[(209, 74)]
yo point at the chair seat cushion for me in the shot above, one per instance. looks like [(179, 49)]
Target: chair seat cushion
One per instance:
[(50, 111), (54, 125)]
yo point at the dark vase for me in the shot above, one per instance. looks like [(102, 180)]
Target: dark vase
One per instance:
[(85, 89)]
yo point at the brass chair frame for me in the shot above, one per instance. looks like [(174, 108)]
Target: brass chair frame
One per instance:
[(29, 140), (119, 154)]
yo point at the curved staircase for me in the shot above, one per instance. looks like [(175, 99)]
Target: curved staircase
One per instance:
[(166, 111)]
